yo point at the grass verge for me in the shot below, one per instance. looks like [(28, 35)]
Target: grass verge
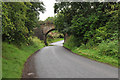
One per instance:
[(13, 58), (93, 53)]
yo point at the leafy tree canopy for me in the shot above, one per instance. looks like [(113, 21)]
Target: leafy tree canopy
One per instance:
[(87, 20), (19, 19)]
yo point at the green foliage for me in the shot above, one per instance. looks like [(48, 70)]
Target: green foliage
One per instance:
[(49, 19), (13, 58), (19, 19), (105, 48), (105, 52), (91, 26), (94, 55), (108, 48), (71, 42), (96, 21), (61, 24)]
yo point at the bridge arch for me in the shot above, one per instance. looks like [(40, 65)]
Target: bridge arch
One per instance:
[(45, 40)]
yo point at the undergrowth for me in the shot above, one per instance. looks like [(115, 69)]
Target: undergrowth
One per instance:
[(106, 51)]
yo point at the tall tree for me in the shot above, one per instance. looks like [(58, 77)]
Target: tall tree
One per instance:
[(87, 20), (19, 19)]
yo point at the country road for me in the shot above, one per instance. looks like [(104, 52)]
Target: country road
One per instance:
[(57, 62)]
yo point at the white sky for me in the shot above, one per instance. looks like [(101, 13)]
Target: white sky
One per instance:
[(49, 5)]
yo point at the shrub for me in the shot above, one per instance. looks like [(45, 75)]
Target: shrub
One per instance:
[(108, 48), (72, 42)]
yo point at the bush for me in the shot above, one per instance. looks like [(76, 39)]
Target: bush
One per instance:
[(108, 48), (90, 44), (72, 42)]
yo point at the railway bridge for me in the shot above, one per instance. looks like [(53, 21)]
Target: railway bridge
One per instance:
[(42, 31)]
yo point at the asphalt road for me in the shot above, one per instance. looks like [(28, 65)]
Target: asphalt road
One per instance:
[(57, 62)]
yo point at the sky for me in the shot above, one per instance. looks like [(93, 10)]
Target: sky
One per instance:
[(49, 5)]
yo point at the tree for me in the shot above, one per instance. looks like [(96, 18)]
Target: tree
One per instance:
[(19, 19), (88, 20)]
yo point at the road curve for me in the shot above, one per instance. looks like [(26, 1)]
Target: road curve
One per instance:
[(58, 62)]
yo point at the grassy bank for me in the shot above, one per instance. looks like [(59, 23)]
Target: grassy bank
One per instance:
[(104, 52), (14, 57)]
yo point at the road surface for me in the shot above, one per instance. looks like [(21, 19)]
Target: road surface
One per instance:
[(57, 62)]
